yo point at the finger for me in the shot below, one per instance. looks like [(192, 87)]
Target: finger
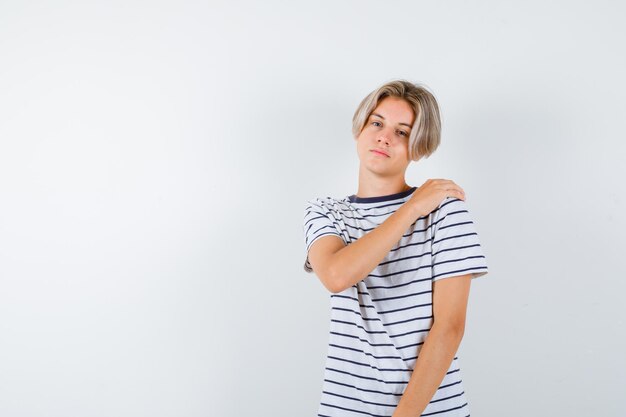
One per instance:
[(453, 191), (448, 185), (456, 186)]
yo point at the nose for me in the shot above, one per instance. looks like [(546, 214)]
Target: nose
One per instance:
[(385, 136)]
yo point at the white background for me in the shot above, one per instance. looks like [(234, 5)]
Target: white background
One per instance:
[(155, 161)]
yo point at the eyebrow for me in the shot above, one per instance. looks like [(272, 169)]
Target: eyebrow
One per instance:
[(405, 124)]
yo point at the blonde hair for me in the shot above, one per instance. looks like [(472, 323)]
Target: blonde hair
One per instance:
[(425, 134)]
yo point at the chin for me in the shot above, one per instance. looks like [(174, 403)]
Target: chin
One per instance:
[(382, 171)]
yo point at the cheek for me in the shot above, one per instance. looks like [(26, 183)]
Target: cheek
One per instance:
[(362, 144), (405, 150)]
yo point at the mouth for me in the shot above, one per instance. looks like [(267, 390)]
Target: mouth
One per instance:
[(379, 152)]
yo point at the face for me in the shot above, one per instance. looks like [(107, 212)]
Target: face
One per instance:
[(387, 130)]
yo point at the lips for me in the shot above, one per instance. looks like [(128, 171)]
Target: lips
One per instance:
[(379, 151)]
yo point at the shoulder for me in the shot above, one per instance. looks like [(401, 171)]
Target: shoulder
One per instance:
[(318, 202), (450, 209), (324, 205), (447, 206)]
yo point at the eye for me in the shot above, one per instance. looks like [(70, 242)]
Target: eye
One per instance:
[(403, 132), (375, 122)]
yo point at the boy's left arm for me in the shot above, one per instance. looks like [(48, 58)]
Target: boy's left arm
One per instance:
[(450, 297)]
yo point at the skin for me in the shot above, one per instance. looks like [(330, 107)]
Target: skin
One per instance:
[(385, 175), (378, 176)]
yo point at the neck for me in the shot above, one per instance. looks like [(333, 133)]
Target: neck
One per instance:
[(375, 189)]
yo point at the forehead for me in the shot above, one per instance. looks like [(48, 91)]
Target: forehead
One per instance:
[(394, 109)]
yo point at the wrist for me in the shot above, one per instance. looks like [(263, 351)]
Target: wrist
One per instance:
[(414, 209)]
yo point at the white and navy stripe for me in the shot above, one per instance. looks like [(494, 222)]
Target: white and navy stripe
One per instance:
[(378, 325)]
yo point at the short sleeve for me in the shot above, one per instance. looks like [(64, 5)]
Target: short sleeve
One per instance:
[(456, 248), (318, 222)]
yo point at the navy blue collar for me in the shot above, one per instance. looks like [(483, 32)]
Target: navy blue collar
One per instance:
[(354, 199)]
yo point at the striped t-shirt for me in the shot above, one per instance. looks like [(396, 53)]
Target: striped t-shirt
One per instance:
[(378, 326)]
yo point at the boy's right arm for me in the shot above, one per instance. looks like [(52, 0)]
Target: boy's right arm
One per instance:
[(340, 266)]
